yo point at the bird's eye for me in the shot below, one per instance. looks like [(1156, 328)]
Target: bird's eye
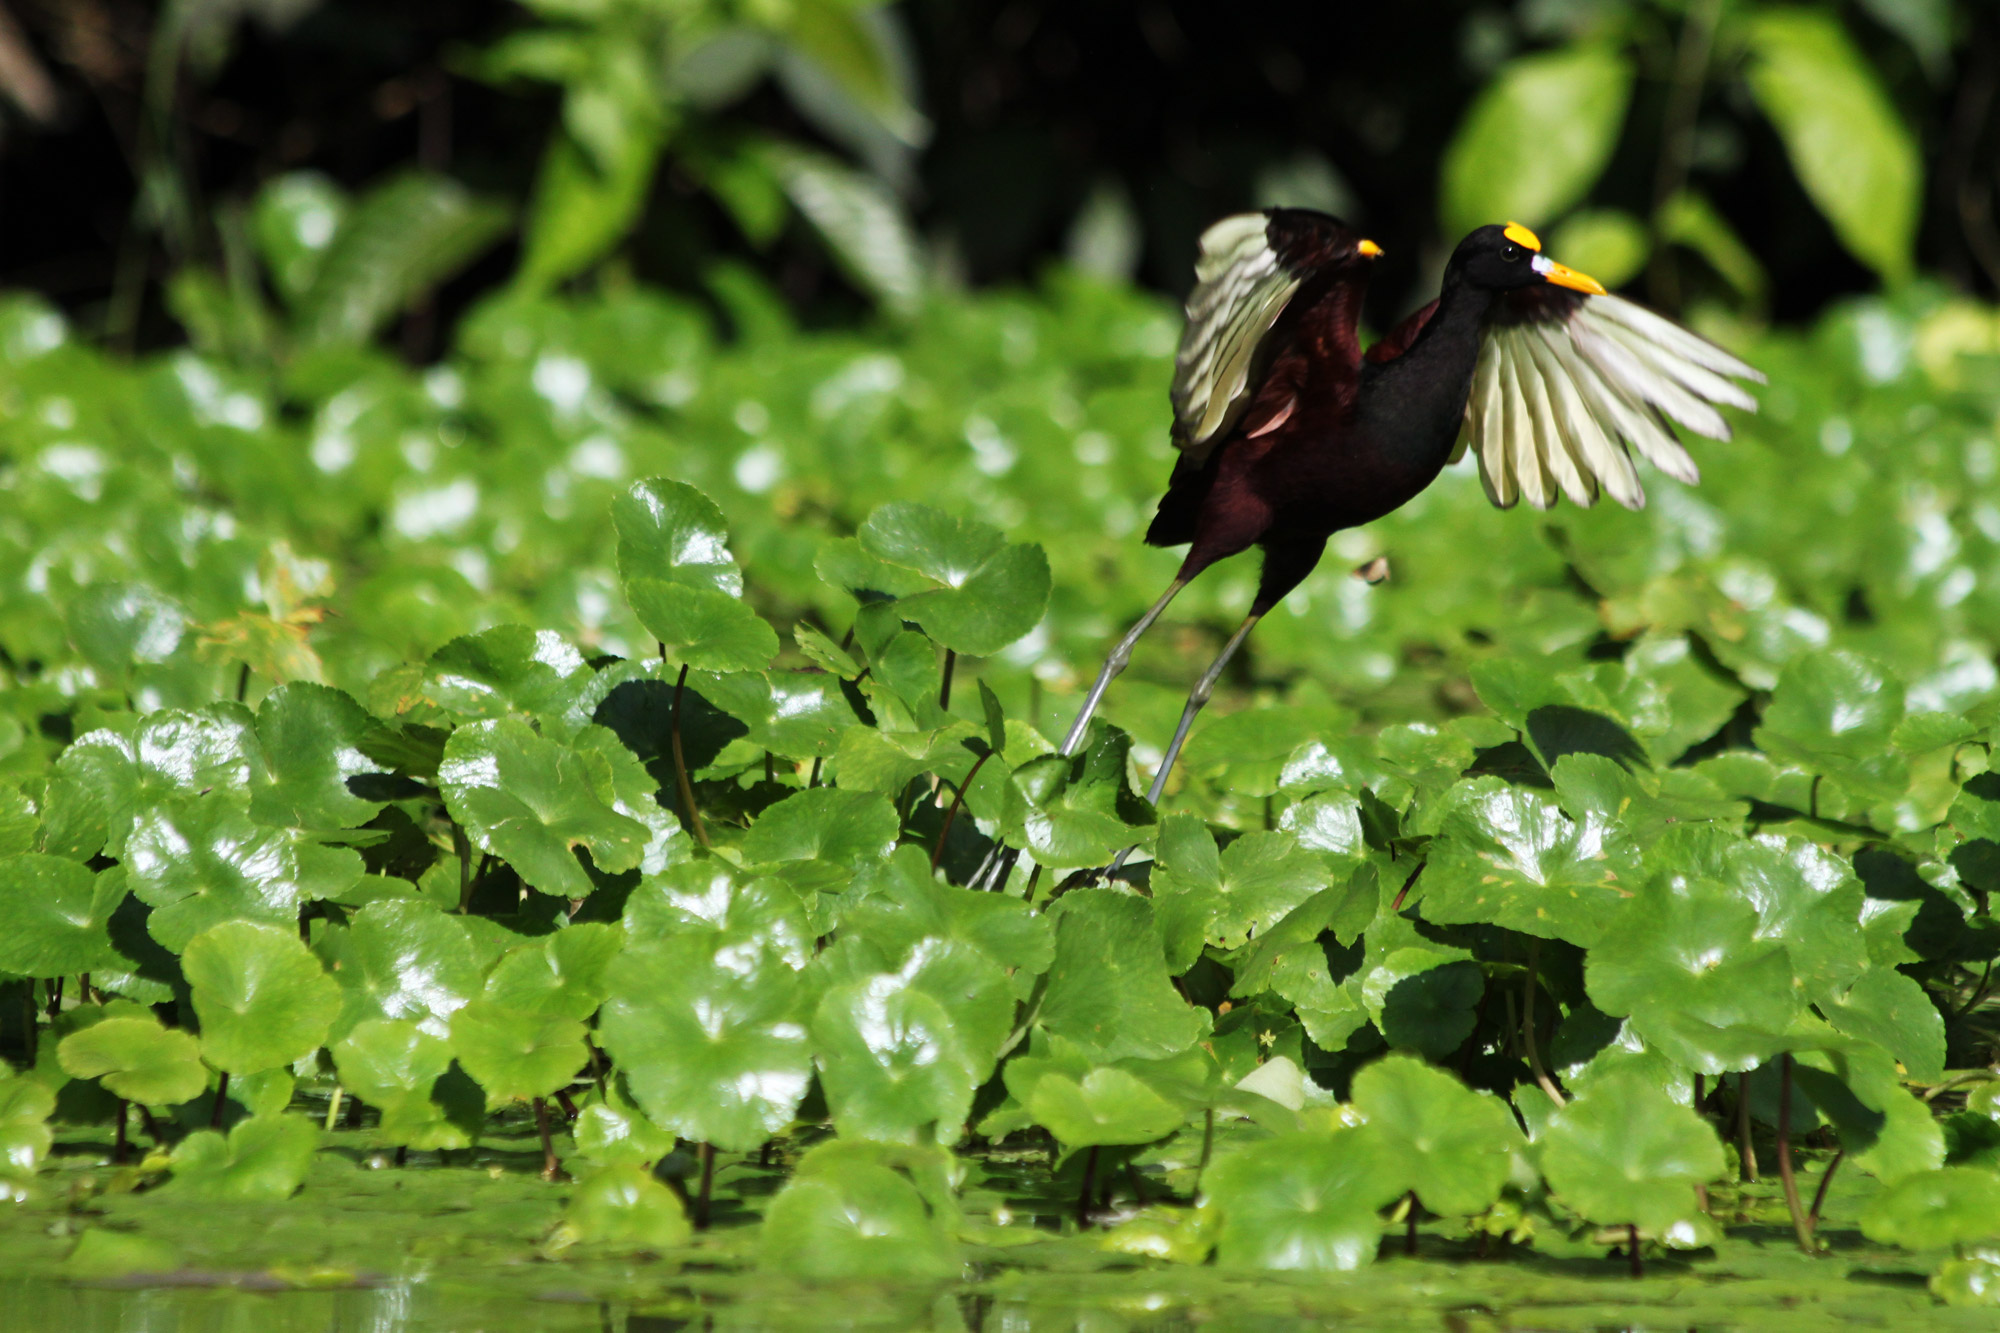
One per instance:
[(1511, 252)]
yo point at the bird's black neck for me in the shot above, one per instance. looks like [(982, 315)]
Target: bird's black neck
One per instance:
[(1412, 406)]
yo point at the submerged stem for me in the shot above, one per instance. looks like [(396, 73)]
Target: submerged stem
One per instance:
[(1800, 1224), (944, 687), (1746, 1151), (549, 1164)]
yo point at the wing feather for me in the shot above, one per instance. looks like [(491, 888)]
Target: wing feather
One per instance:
[(1563, 389), (1240, 290)]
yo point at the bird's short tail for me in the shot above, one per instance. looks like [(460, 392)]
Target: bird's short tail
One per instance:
[(1173, 524)]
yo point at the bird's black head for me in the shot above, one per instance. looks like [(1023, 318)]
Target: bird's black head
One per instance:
[(1306, 240), (1508, 258)]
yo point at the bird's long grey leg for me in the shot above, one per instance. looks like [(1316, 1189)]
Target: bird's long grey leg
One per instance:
[(999, 862), (1203, 689), (1114, 664)]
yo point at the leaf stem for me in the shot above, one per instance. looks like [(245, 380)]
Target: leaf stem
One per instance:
[(707, 1190), (461, 846), (1799, 1223), (1410, 1225), (1548, 1085), (680, 760), (1089, 1180), (243, 682), (1632, 1249), (118, 1147), (1746, 1151), (333, 1107), (944, 687), (957, 799), (549, 1165), (1819, 1195), (1403, 892), (221, 1089)]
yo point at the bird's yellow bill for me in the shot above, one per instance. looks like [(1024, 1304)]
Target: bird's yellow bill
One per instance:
[(1564, 276), (1369, 249), (1520, 235)]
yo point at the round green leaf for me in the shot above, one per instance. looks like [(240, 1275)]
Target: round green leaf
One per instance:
[(1835, 713), (310, 736), (1954, 1205), (262, 997), (1423, 999), (855, 1220), (624, 1207), (1303, 1202), (1624, 1152), (702, 628), (1689, 964), (531, 800), (515, 1054), (1076, 810), (137, 1059), (1510, 856), (671, 532), (1454, 1146), (823, 824), (561, 973), (54, 915), (978, 593), (200, 861), (406, 959), (1108, 986), (25, 1107), (710, 1041), (263, 1160), (1106, 1105)]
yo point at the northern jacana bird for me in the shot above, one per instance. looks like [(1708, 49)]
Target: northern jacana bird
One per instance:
[(1288, 434)]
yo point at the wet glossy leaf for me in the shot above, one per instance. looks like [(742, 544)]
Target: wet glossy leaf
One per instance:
[(1303, 1202), (1893, 1011), (532, 801), (1224, 898), (398, 1068), (624, 1207), (854, 1219), (561, 973), (1109, 990), (106, 780), (1452, 1145), (712, 1043), (53, 917), (972, 590), (517, 1054), (1953, 1205), (404, 959), (1688, 962), (1509, 856), (136, 1058), (902, 902), (673, 557), (25, 1106), (823, 824), (1622, 1152), (506, 671), (615, 1132), (263, 1160), (198, 862), (901, 1052), (310, 737), (1834, 713), (262, 998), (1077, 811)]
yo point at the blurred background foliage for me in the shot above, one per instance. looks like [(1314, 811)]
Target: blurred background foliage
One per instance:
[(1765, 157)]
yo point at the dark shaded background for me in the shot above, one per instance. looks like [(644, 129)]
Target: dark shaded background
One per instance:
[(1034, 104)]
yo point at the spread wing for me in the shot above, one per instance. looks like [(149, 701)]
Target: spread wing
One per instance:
[(1240, 290), (1567, 385)]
